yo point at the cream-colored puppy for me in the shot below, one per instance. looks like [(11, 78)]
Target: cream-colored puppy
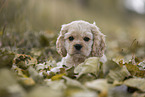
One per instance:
[(79, 40)]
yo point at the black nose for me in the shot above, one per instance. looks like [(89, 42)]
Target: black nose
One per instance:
[(78, 46)]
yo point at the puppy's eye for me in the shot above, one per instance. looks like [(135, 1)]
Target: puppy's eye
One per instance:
[(86, 39), (71, 38)]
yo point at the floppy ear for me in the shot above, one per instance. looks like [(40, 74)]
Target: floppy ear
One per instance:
[(99, 45), (60, 46)]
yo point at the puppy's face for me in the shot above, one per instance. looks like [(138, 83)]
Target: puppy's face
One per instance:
[(80, 39), (78, 42)]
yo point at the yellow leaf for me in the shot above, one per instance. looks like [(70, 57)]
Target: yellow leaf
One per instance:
[(58, 76), (134, 70), (27, 81)]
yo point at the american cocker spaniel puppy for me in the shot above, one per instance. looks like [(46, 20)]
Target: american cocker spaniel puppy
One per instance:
[(79, 40)]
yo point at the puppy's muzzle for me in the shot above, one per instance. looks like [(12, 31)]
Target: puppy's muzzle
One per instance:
[(78, 46)]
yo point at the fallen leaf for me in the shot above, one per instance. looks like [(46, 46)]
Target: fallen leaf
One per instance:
[(141, 65), (109, 65), (138, 83), (118, 74), (57, 76), (100, 85), (91, 65), (27, 81), (134, 70), (6, 58)]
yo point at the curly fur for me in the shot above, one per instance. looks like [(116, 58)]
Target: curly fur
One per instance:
[(95, 47)]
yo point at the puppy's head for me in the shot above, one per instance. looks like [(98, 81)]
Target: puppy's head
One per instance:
[(80, 38)]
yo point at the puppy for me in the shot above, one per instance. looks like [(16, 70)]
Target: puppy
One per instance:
[(79, 40)]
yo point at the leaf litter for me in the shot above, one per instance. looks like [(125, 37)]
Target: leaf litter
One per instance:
[(32, 78)]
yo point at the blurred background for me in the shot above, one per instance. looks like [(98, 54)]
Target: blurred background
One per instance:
[(32, 26)]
